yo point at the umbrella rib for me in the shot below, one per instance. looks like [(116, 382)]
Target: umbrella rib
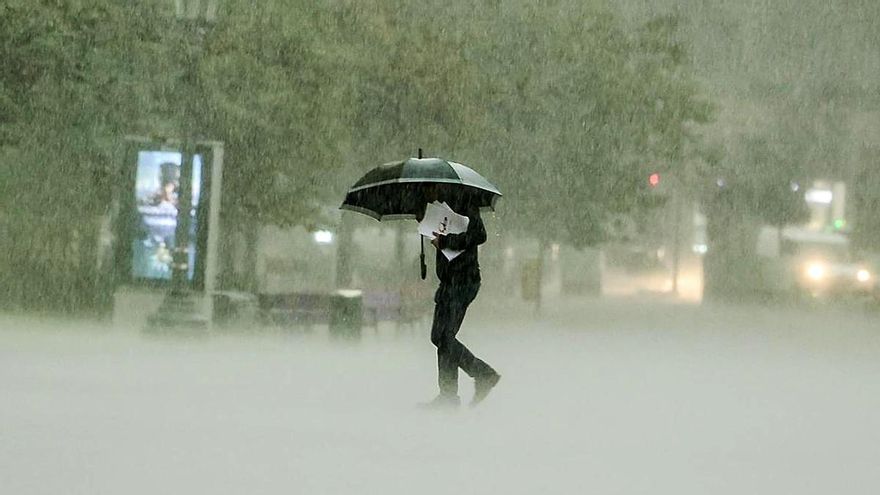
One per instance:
[(414, 180), (358, 209)]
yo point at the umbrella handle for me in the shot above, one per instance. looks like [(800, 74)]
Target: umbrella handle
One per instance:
[(422, 258)]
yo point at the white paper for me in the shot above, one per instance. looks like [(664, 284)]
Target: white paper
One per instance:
[(440, 218)]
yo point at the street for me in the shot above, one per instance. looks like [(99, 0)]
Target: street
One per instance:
[(624, 396)]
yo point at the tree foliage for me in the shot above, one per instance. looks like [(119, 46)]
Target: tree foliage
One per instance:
[(587, 110), (549, 96)]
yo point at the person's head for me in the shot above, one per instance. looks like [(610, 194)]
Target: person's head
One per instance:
[(169, 172), (431, 193), (440, 192), (168, 190), (169, 179)]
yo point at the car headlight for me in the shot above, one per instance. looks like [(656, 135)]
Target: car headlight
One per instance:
[(863, 275), (816, 271)]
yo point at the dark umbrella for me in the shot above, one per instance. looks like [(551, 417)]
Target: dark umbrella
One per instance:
[(396, 189)]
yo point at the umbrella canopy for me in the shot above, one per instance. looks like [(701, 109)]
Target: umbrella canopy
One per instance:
[(397, 189)]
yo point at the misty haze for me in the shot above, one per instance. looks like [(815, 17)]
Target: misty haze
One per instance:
[(355, 247)]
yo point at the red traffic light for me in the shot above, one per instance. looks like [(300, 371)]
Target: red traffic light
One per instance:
[(654, 179)]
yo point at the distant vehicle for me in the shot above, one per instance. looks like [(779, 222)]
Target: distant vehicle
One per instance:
[(810, 263)]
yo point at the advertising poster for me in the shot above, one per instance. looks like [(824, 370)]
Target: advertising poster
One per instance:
[(156, 193)]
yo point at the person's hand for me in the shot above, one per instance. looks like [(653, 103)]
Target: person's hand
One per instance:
[(436, 240)]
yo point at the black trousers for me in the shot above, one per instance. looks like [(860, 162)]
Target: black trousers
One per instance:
[(450, 304)]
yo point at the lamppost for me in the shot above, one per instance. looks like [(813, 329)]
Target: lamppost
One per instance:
[(179, 308), (194, 16)]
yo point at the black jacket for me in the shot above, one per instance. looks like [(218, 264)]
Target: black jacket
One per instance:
[(465, 268)]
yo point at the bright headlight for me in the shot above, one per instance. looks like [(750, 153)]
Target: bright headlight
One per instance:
[(816, 271), (863, 275)]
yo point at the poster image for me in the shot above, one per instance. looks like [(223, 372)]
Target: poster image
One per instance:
[(157, 187)]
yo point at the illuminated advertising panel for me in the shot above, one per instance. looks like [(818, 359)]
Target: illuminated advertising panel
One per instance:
[(156, 192)]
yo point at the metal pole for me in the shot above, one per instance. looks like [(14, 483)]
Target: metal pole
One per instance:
[(344, 245), (213, 227), (179, 309), (676, 242), (180, 274), (542, 249), (180, 269), (214, 218)]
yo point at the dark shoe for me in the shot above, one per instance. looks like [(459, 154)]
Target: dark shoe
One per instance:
[(441, 402), (482, 387)]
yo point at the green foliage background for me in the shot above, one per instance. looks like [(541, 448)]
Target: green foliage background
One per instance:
[(566, 105)]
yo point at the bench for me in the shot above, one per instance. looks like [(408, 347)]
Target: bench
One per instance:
[(406, 306), (297, 308)]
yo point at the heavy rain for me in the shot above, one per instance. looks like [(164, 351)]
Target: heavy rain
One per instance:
[(512, 246)]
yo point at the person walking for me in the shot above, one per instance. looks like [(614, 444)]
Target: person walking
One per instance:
[(459, 284)]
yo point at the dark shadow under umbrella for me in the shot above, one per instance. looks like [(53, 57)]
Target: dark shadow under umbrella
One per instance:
[(396, 190)]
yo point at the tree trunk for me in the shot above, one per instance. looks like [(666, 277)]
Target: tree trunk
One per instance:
[(344, 246), (239, 251), (542, 250), (250, 279)]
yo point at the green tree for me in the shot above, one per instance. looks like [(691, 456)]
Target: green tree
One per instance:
[(307, 96), (587, 110), (69, 75)]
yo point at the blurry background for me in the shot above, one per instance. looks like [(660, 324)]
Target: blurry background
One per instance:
[(677, 148)]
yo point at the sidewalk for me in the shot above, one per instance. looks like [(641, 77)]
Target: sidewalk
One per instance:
[(581, 311), (836, 326)]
